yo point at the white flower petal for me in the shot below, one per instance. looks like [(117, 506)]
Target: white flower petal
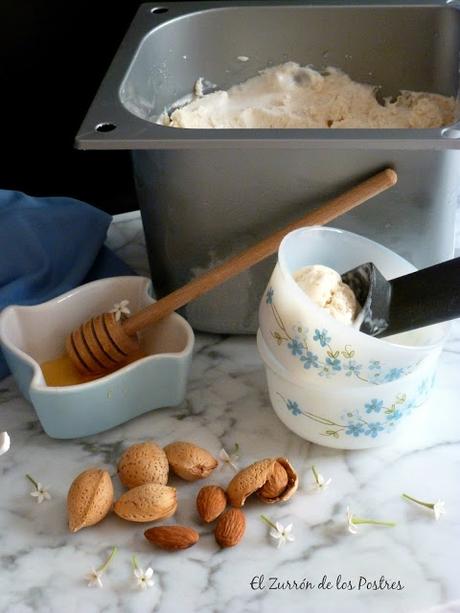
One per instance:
[(288, 529), (351, 525), (276, 534), (138, 573), (149, 572), (224, 455), (5, 442), (94, 579), (438, 509), (279, 527), (290, 537)]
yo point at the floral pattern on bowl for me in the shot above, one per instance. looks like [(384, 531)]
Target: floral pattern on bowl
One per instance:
[(372, 420), (317, 352)]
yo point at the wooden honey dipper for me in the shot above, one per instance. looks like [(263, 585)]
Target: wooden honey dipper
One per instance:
[(102, 343)]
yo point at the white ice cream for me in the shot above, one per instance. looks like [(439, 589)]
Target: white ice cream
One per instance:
[(292, 96), (324, 287)]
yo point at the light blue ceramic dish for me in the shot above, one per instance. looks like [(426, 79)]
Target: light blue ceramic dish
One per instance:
[(35, 334)]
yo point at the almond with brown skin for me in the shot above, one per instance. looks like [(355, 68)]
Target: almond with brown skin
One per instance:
[(211, 502), (173, 537), (230, 528), (143, 463), (276, 483), (254, 477), (189, 461)]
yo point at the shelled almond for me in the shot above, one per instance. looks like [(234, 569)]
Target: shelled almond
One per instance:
[(274, 480), (230, 528), (211, 502), (172, 537)]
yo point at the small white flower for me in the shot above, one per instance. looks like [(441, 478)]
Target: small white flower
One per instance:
[(320, 483), (144, 578), (278, 532), (351, 525), (230, 459), (40, 492), (282, 534), (437, 507), (121, 310), (353, 521), (5, 442), (94, 578)]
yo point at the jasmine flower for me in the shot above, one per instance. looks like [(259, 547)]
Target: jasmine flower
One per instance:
[(143, 578), (121, 310), (353, 521), (278, 532), (230, 459), (40, 492), (94, 578), (5, 442), (320, 483), (437, 507)]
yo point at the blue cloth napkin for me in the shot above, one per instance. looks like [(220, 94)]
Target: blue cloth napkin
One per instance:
[(49, 246)]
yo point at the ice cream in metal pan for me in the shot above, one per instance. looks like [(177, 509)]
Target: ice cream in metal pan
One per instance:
[(294, 96)]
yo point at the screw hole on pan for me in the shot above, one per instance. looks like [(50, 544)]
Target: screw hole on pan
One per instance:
[(105, 127), (158, 10)]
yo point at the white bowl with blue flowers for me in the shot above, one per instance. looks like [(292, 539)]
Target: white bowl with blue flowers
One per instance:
[(357, 417), (309, 343)]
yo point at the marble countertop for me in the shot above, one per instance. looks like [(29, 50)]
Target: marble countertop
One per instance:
[(43, 566)]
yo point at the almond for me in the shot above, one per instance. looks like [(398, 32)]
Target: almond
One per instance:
[(147, 502), (211, 502), (254, 477), (276, 483), (90, 498), (143, 463), (173, 537), (189, 461), (230, 528)]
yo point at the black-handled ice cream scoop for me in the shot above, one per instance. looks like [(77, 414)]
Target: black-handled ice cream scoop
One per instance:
[(419, 299)]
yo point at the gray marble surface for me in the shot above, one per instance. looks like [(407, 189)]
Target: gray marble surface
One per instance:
[(43, 566)]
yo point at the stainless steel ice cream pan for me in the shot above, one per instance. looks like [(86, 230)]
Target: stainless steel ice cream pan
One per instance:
[(205, 194)]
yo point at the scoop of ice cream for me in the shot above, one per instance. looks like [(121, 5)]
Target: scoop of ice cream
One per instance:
[(324, 287)]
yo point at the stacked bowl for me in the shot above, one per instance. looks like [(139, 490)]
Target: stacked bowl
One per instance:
[(328, 382)]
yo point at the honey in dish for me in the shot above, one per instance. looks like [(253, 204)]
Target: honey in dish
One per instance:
[(61, 371)]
